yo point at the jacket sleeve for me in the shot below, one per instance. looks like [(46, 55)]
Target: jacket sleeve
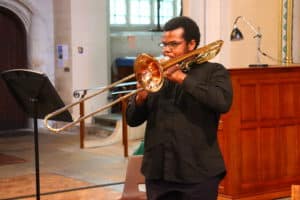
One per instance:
[(215, 90), (135, 115)]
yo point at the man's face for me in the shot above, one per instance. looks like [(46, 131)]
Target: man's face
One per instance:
[(174, 45)]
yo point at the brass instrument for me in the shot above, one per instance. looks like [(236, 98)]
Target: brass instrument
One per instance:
[(148, 73)]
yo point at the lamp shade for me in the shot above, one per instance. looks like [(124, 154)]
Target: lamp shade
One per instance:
[(236, 34)]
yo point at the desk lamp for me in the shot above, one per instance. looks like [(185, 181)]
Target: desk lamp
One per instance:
[(236, 35)]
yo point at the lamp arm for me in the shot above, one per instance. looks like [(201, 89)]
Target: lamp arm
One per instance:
[(257, 33), (268, 56)]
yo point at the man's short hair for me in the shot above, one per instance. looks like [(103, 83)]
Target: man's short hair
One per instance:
[(191, 29)]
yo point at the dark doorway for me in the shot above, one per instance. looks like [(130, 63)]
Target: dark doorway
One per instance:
[(13, 55)]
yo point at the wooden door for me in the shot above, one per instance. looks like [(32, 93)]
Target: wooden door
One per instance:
[(13, 55)]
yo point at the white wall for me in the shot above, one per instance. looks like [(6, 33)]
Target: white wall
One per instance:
[(63, 36), (89, 30), (195, 10), (213, 20), (40, 37), (264, 14)]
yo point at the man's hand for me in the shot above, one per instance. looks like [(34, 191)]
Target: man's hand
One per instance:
[(175, 74)]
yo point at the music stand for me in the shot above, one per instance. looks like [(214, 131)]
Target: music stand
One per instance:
[(36, 95)]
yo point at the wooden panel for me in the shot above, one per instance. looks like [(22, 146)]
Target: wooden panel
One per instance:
[(250, 148), (290, 145), (270, 148), (295, 193), (286, 100), (260, 135), (248, 94), (268, 101), (297, 98)]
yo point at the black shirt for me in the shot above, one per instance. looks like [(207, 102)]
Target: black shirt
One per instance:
[(182, 120)]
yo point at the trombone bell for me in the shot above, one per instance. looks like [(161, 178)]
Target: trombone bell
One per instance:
[(148, 73)]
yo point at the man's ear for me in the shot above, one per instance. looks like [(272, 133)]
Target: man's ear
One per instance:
[(191, 45)]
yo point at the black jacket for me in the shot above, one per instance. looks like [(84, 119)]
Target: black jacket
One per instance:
[(182, 121)]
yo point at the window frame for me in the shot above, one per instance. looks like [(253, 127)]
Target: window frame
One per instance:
[(143, 27)]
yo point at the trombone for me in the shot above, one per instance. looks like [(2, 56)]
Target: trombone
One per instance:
[(148, 73)]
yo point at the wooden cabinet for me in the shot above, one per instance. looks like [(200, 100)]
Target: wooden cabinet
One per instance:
[(260, 135)]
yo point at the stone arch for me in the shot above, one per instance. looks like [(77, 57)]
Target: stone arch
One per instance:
[(21, 9)]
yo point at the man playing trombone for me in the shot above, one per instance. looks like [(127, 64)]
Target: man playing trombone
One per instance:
[(182, 159)]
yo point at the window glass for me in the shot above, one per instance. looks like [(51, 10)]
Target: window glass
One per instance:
[(166, 11), (118, 11), (140, 12), (133, 15)]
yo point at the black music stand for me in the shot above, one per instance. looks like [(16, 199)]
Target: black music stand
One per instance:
[(36, 95)]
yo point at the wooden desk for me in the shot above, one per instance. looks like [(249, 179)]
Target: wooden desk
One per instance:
[(260, 136)]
